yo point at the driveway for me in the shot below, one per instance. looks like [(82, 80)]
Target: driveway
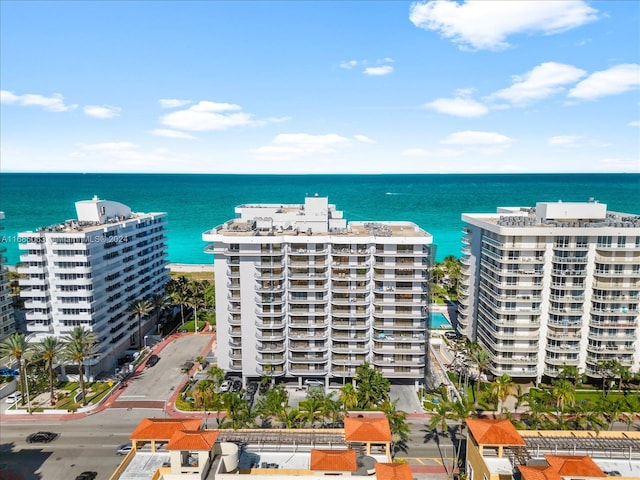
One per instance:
[(150, 387)]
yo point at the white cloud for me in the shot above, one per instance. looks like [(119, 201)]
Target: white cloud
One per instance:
[(459, 107), (612, 81), (54, 103), (165, 132), (381, 67), (290, 146), (635, 123), (173, 102), (542, 81), (423, 153), (378, 71), (207, 116), (110, 146), (101, 111), (565, 140), (128, 156), (363, 139), (471, 137), (487, 24), (348, 65)]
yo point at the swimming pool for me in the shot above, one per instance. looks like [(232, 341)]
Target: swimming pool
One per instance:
[(438, 321)]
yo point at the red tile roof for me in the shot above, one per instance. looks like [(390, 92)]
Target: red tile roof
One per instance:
[(563, 466), (367, 430), (201, 440), (393, 471), (494, 432), (333, 460), (162, 428), (575, 466)]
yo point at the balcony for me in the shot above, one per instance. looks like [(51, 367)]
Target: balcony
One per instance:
[(270, 275), (308, 358), (308, 335), (362, 349), (271, 323), (298, 345), (393, 338), (270, 312), (405, 326), (270, 335), (273, 289), (348, 335), (563, 348), (270, 370), (269, 359), (354, 361), (315, 370)]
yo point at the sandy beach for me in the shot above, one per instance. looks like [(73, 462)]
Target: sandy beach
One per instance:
[(190, 268)]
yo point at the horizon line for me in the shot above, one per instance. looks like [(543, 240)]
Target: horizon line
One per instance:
[(317, 173)]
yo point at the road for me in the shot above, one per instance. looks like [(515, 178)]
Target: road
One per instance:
[(90, 443)]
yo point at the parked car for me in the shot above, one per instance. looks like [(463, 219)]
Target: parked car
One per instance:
[(124, 449), (87, 476), (14, 397), (153, 359), (236, 385), (42, 437), (252, 388), (226, 386), (128, 358), (8, 372), (187, 366), (312, 383)]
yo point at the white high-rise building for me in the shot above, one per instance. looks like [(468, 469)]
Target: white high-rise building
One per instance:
[(7, 320), (88, 271), (554, 285), (301, 293)]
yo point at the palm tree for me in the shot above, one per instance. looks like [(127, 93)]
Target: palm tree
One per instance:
[(398, 424), (348, 396), (216, 374), (49, 350), (178, 293), (310, 408), (564, 393), (372, 387), (140, 308), (80, 344), (17, 348), (501, 387), (195, 300), (237, 411), (480, 357), (158, 302)]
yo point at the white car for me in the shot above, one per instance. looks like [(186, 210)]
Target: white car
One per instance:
[(15, 397), (226, 386)]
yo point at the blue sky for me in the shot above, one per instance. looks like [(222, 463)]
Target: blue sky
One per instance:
[(320, 87)]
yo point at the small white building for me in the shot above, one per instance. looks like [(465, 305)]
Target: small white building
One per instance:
[(88, 271)]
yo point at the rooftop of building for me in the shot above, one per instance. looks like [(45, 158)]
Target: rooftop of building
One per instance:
[(267, 451), (313, 218), (242, 228), (93, 215), (559, 214), (551, 454)]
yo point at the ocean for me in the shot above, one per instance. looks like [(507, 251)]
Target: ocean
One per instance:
[(198, 202)]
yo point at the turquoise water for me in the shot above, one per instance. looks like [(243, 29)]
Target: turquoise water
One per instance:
[(438, 320), (196, 203)]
